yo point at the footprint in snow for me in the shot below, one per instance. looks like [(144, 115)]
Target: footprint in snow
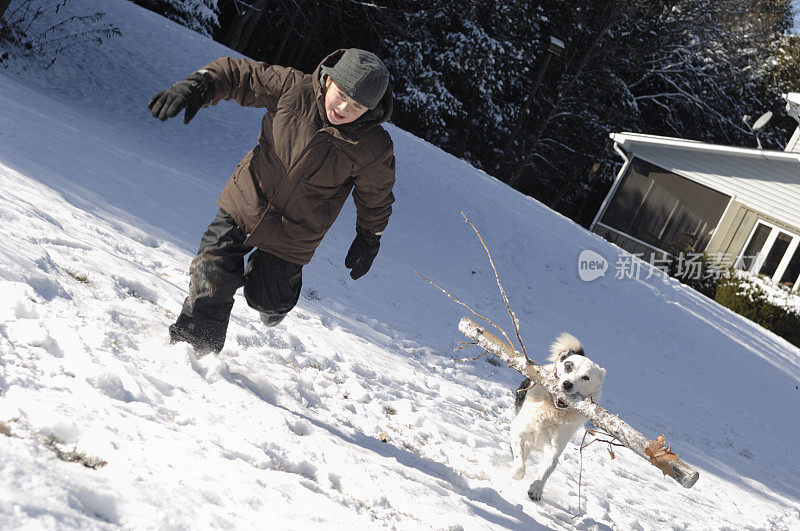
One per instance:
[(135, 288)]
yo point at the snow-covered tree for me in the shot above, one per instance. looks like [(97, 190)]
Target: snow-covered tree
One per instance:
[(466, 72), (784, 66), (200, 15), (709, 67), (460, 68), (686, 68)]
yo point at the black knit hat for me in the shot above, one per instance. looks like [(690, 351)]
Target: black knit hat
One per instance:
[(361, 75)]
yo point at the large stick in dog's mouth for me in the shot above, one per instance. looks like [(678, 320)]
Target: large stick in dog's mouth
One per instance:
[(655, 451)]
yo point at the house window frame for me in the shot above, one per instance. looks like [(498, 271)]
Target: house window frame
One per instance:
[(658, 183), (761, 257)]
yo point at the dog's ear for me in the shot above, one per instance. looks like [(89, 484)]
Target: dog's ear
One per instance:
[(565, 345)]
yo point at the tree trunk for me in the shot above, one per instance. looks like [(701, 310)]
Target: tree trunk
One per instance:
[(240, 31), (652, 450), (289, 31), (567, 84), (523, 113)]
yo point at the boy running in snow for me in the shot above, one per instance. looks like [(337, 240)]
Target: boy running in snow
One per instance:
[(320, 139)]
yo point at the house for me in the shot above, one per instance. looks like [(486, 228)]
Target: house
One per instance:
[(740, 206)]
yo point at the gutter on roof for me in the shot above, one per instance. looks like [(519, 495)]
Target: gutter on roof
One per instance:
[(627, 140), (622, 153)]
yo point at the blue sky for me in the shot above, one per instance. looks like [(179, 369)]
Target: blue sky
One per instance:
[(796, 4)]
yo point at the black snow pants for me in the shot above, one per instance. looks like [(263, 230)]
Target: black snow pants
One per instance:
[(271, 286)]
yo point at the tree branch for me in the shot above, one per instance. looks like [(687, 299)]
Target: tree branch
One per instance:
[(499, 285)]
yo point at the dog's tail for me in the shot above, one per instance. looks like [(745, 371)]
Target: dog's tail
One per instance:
[(565, 345)]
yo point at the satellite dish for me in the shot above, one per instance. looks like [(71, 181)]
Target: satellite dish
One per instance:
[(762, 121)]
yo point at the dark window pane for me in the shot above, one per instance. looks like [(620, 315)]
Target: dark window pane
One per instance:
[(650, 220), (775, 254), (664, 209), (627, 200), (793, 270), (755, 245)]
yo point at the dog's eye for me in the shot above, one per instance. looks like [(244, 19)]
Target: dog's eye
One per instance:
[(585, 378), (568, 367), (562, 358)]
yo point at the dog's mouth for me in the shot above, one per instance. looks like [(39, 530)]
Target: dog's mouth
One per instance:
[(560, 404)]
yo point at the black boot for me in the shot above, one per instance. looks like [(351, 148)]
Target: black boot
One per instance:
[(272, 286), (272, 320), (201, 345)]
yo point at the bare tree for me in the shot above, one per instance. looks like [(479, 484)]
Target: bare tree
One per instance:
[(242, 27)]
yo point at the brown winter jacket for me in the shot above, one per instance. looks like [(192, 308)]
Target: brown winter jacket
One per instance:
[(288, 190)]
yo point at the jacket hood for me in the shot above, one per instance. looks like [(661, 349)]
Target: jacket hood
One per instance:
[(380, 114)]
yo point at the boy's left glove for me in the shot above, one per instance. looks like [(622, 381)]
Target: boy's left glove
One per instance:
[(362, 252), (192, 93)]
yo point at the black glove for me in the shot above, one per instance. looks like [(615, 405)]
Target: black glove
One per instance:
[(362, 252), (191, 93)]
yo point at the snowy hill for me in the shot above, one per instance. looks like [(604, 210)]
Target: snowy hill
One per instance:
[(102, 208)]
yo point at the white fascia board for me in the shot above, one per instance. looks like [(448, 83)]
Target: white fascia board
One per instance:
[(626, 140)]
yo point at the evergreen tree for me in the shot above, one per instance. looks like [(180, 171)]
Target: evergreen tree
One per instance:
[(707, 69), (201, 16), (785, 64), (475, 76), (460, 68)]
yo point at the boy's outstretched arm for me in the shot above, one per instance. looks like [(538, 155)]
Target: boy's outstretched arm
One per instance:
[(248, 82)]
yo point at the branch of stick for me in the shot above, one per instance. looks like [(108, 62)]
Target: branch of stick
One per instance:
[(655, 451), (499, 285), (584, 444), (502, 294), (476, 314)]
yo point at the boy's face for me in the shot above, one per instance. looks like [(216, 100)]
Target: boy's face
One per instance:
[(340, 108)]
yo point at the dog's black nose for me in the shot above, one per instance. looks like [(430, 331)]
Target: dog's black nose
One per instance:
[(567, 385)]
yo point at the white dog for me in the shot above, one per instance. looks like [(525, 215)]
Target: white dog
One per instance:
[(547, 424)]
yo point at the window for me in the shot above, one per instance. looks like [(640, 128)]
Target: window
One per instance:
[(757, 241), (663, 209), (772, 252), (775, 254), (789, 277)]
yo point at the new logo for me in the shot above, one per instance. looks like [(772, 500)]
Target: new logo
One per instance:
[(591, 265)]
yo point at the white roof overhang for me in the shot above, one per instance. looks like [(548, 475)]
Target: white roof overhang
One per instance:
[(765, 180)]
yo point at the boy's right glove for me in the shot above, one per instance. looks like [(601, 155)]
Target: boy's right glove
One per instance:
[(362, 252), (191, 93)]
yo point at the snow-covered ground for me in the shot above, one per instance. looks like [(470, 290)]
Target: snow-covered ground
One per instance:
[(352, 413)]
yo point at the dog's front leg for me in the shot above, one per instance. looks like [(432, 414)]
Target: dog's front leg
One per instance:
[(518, 448), (546, 466)]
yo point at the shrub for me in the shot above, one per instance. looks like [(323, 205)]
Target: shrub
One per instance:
[(752, 301), (697, 271), (21, 27)]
